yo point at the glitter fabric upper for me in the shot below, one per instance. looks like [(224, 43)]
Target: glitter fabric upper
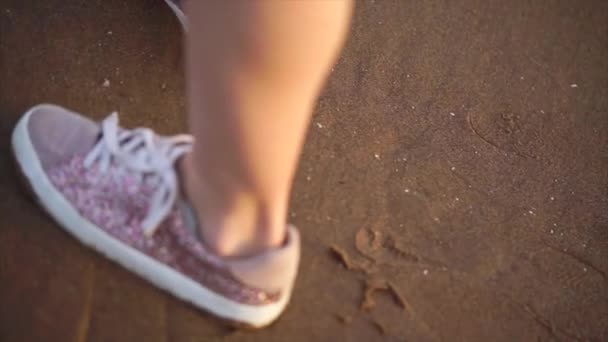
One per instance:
[(117, 201)]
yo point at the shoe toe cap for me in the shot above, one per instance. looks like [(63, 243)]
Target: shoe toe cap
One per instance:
[(57, 134)]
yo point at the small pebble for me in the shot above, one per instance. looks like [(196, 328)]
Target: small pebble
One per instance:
[(376, 155), (552, 198), (452, 114), (320, 125), (110, 33), (584, 269), (106, 83), (308, 178), (425, 272), (407, 190), (453, 168), (574, 85), (551, 231)]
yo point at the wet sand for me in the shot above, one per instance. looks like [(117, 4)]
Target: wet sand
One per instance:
[(453, 187)]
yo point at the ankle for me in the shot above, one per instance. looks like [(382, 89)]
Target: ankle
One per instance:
[(232, 221), (242, 227)]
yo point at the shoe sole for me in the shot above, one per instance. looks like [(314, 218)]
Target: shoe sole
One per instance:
[(146, 267), (179, 13)]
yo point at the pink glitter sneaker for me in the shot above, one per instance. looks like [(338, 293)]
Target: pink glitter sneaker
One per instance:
[(117, 191)]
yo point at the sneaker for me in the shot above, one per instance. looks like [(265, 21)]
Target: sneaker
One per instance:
[(117, 191), (176, 6)]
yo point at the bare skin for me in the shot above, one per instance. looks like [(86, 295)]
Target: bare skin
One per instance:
[(254, 70)]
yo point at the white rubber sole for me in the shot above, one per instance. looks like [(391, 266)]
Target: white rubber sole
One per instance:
[(179, 13), (148, 268)]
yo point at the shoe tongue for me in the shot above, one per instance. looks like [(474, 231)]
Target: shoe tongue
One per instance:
[(189, 217)]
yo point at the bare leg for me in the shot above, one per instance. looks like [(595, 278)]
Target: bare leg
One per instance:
[(254, 70)]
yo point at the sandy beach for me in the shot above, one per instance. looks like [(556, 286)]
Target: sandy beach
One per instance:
[(453, 185)]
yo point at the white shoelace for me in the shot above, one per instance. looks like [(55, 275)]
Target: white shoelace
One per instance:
[(142, 152)]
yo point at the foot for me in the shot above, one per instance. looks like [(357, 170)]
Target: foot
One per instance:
[(176, 6), (117, 191)]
